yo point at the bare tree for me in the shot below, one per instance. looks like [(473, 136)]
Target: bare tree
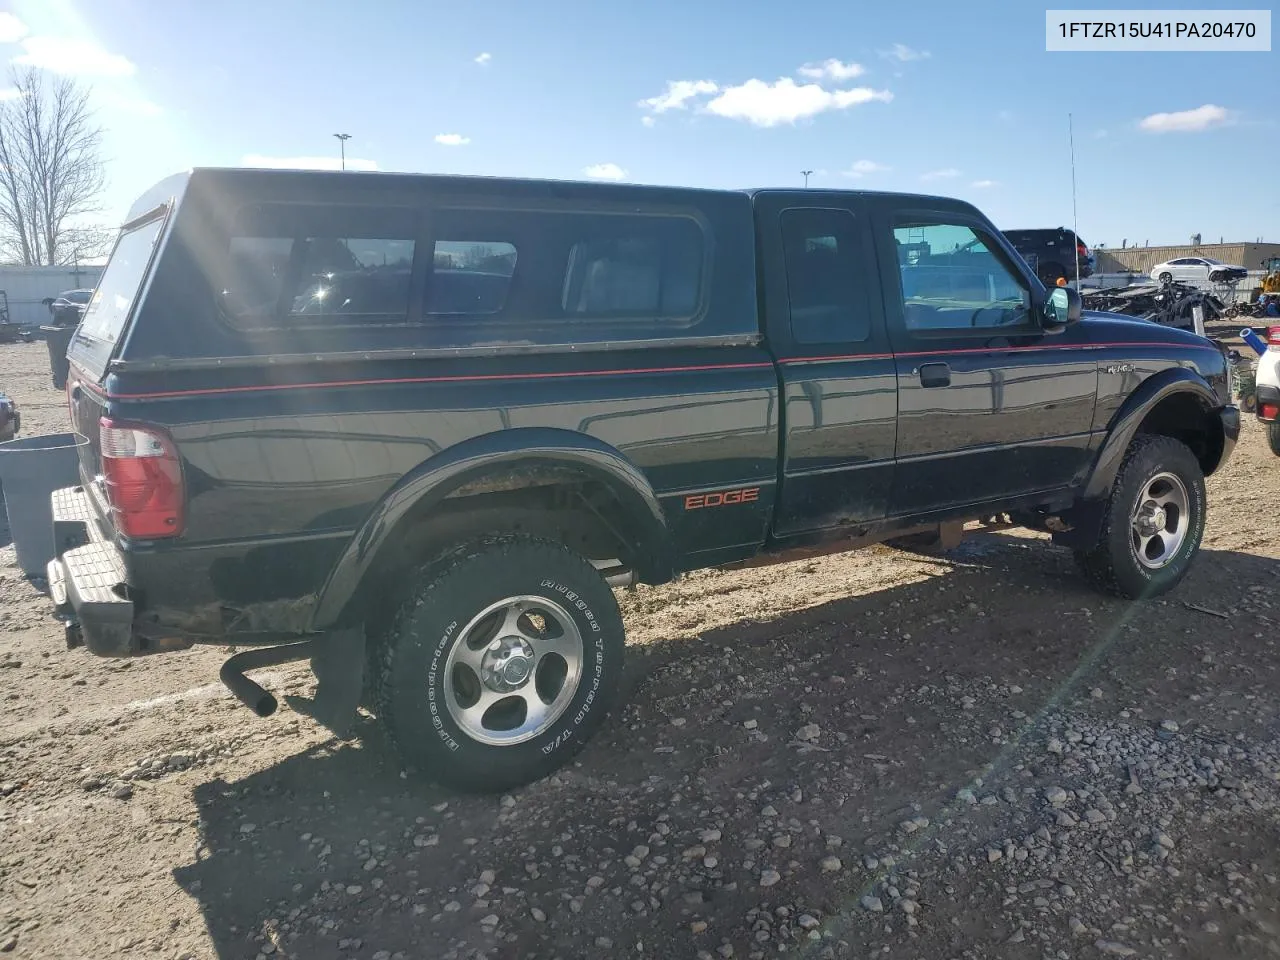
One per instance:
[(51, 172)]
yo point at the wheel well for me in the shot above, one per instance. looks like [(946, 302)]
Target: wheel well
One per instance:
[(1186, 418), (557, 503)]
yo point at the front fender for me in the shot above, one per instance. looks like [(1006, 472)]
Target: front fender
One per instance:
[(1124, 425), (434, 479)]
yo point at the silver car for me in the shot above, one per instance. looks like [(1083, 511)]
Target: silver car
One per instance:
[(1196, 269)]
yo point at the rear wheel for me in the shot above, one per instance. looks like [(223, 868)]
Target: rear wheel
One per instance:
[(1166, 278), (1153, 523), (1273, 437), (501, 663)]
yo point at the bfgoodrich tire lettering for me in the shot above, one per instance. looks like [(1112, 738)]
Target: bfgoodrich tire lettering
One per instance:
[(430, 664), (1115, 564)]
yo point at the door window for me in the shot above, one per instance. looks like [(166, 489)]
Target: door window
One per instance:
[(820, 248), (953, 279)]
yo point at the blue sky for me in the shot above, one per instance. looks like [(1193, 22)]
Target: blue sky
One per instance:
[(922, 96)]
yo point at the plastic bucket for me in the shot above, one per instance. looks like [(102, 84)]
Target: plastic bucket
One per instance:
[(30, 470), (57, 339)]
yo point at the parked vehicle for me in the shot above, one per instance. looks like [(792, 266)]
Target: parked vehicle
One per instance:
[(10, 418), (414, 427), (1267, 389), (1054, 252), (1197, 269), (67, 306)]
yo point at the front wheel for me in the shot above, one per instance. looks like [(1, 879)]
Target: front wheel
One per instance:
[(1273, 437), (1166, 278), (501, 663), (1153, 522)]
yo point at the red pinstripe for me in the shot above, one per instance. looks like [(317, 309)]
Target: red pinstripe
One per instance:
[(698, 368)]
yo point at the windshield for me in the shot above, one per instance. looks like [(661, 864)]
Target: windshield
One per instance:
[(108, 309)]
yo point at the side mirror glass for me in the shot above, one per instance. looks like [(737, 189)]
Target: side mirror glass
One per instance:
[(1061, 308)]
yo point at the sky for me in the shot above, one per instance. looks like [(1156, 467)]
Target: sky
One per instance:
[(933, 97)]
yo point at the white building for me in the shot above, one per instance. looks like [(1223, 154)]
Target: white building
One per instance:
[(27, 287)]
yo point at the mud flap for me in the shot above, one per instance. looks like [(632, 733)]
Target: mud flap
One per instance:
[(339, 665)]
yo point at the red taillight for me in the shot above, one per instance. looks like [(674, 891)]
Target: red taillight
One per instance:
[(143, 478), (1082, 249), (1268, 411)]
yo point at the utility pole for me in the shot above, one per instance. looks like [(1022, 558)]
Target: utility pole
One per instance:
[(342, 146), (1075, 226), (805, 174)]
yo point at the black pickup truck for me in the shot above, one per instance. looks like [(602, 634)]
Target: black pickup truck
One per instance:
[(413, 428)]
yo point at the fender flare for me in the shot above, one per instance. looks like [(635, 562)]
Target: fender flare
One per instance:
[(1124, 425), (431, 481)]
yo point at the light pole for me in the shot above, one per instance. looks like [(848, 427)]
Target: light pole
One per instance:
[(342, 146), (805, 174)]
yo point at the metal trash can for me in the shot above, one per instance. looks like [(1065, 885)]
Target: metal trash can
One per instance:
[(30, 470), (57, 339)]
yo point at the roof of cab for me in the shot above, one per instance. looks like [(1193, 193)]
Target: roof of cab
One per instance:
[(172, 187)]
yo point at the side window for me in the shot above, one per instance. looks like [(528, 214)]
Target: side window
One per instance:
[(561, 276), (952, 280), (470, 277), (821, 250), (291, 266)]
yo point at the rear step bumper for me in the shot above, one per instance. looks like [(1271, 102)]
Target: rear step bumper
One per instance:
[(88, 583)]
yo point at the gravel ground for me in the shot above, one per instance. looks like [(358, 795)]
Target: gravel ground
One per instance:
[(879, 754)]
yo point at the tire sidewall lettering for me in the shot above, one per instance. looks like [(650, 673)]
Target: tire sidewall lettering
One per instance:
[(434, 687), (565, 731)]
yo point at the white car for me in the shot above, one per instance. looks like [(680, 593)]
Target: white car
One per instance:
[(1267, 389), (1195, 269)]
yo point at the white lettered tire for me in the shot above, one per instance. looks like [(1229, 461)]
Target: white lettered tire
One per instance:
[(501, 663)]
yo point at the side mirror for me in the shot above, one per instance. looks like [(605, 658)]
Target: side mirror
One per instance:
[(1061, 308)]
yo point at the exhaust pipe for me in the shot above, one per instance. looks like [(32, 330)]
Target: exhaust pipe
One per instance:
[(248, 691)]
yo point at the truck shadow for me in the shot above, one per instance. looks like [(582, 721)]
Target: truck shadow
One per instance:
[(917, 688)]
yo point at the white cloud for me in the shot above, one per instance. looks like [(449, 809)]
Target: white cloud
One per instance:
[(863, 168), (678, 94), (452, 139), (604, 171), (484, 58), (948, 173), (648, 121), (11, 28), (10, 93), (785, 101), (73, 55), (1186, 121), (984, 184), (307, 163), (904, 54), (832, 69)]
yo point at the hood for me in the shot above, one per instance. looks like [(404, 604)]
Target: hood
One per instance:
[(1119, 326)]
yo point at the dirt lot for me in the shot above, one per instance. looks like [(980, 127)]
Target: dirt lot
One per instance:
[(876, 754)]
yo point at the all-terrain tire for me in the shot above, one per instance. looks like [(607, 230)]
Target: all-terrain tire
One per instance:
[(1112, 564), (412, 652), (1273, 438)]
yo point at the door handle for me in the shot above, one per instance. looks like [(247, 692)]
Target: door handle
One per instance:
[(934, 375)]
